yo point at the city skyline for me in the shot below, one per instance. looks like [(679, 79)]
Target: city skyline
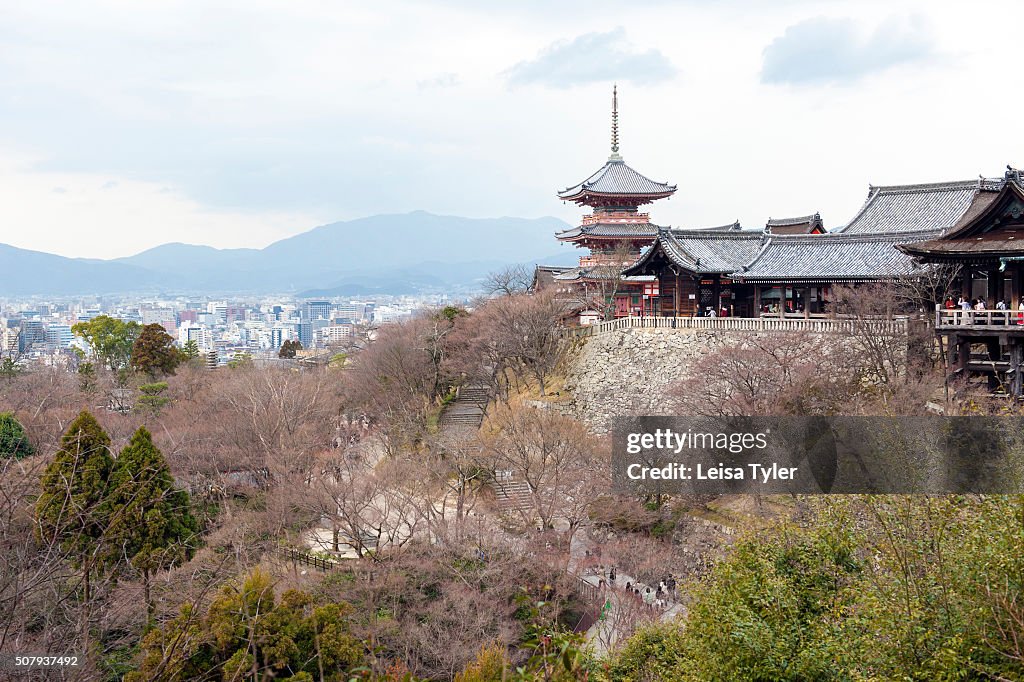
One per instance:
[(233, 126)]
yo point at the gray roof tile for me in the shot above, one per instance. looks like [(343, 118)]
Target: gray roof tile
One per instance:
[(720, 250), (612, 230), (911, 208), (616, 178), (833, 256)]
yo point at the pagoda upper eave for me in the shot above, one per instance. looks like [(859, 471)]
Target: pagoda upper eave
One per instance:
[(589, 198)]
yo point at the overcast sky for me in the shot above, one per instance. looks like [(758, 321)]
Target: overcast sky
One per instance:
[(124, 125)]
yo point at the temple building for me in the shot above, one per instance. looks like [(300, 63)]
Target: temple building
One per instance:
[(985, 247), (614, 233), (790, 267)]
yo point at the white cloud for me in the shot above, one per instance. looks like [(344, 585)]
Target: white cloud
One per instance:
[(593, 58), (824, 49)]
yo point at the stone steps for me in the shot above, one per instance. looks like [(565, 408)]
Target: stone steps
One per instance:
[(468, 409), (513, 495)]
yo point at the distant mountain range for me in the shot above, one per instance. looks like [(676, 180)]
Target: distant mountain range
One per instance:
[(415, 252)]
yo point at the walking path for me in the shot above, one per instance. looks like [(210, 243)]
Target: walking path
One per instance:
[(621, 610)]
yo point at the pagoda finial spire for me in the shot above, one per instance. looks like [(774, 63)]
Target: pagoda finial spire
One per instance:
[(615, 122)]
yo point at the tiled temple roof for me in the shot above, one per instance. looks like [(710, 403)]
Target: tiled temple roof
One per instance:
[(799, 225), (912, 208), (832, 257), (704, 250), (609, 231), (991, 228), (615, 178)]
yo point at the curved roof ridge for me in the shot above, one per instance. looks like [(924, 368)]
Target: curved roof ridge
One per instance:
[(851, 237), (629, 182), (796, 220), (928, 186), (760, 252), (696, 233), (891, 208)]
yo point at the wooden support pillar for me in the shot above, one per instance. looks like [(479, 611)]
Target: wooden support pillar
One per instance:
[(966, 277), (994, 349), (963, 351), (1014, 301), (807, 302), (1016, 358), (716, 295), (757, 300), (675, 298), (995, 287)]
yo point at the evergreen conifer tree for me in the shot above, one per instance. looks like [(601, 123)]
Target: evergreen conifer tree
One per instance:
[(151, 522), (13, 441), (70, 509)]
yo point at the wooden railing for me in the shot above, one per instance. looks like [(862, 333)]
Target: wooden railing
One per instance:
[(319, 563), (750, 324), (587, 588), (985, 319)]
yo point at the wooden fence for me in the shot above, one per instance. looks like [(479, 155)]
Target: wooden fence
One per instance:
[(317, 562), (829, 325)]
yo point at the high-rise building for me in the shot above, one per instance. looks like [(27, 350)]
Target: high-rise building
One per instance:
[(334, 334), (219, 310), (352, 310), (194, 332), (305, 332), (32, 333), (59, 335), (316, 310), (9, 338)]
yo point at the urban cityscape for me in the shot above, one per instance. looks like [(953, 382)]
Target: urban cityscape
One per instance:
[(39, 332)]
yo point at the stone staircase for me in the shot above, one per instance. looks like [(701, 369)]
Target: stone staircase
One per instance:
[(467, 410), (512, 494), (462, 418)]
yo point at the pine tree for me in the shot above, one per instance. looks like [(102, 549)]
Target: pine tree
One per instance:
[(289, 349), (154, 353), (151, 521), (70, 508), (190, 351), (13, 441)]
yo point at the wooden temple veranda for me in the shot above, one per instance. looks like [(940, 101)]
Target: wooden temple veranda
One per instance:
[(987, 246)]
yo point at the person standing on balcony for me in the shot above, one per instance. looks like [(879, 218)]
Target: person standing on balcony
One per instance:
[(949, 305)]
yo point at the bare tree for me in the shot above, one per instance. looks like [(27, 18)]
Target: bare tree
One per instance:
[(775, 373), (603, 280), (514, 279), (563, 464), (891, 347)]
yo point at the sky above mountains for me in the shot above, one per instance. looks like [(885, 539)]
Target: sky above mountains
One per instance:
[(125, 125)]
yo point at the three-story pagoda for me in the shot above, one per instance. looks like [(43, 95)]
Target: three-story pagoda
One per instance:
[(615, 232)]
